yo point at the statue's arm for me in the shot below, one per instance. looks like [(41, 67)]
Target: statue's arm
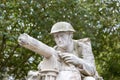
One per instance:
[(87, 60), (37, 46), (83, 65), (86, 68)]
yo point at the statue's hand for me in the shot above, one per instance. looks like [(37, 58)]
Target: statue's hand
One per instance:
[(70, 58), (23, 39)]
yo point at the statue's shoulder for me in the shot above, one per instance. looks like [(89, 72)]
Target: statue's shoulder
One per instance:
[(83, 41), (84, 45)]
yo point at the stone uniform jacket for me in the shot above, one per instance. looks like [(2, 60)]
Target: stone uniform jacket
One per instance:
[(83, 50)]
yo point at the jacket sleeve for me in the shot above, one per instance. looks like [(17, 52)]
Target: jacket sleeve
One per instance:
[(88, 62)]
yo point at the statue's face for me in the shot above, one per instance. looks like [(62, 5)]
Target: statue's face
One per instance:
[(62, 39)]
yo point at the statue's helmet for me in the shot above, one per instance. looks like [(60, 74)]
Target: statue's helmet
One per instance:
[(62, 26)]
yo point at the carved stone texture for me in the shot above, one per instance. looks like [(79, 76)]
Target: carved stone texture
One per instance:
[(68, 60)]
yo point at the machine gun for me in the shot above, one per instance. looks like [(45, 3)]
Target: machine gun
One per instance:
[(37, 46), (50, 65)]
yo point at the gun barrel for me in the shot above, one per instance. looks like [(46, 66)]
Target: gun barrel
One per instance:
[(37, 46)]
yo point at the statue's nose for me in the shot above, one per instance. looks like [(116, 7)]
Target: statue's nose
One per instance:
[(59, 39)]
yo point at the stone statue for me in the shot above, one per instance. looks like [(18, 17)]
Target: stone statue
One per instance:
[(68, 60)]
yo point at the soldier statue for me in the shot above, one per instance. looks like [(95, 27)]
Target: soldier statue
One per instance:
[(68, 60)]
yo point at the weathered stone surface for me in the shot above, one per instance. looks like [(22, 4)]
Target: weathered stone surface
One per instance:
[(68, 60)]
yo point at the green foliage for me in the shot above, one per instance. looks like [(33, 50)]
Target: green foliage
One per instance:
[(97, 19)]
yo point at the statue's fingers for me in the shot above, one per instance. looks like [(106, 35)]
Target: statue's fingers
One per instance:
[(64, 56), (69, 61)]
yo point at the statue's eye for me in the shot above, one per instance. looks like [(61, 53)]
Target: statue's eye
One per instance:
[(61, 35)]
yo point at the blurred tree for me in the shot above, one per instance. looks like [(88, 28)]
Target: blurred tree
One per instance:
[(97, 19)]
